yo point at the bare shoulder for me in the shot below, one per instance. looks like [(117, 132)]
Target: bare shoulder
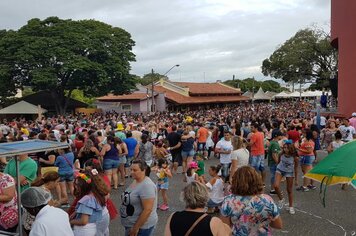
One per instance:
[(219, 228)]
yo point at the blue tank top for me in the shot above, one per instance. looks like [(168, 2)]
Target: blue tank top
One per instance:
[(112, 154)]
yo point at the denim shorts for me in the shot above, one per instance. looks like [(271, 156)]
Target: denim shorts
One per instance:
[(307, 160), (122, 160), (212, 204), (128, 162), (141, 232), (162, 185), (284, 173), (257, 162), (110, 164), (66, 177), (186, 154)]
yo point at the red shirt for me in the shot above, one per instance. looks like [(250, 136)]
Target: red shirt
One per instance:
[(257, 144), (294, 135)]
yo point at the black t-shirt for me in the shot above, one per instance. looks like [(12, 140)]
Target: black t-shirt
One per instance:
[(183, 220), (173, 139)]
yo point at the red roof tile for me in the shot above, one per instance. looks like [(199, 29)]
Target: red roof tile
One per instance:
[(132, 96), (208, 88)]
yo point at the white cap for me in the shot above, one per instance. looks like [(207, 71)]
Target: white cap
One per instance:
[(354, 114), (34, 197)]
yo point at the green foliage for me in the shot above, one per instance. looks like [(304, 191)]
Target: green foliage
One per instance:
[(79, 95), (250, 84), (27, 91), (63, 55), (307, 57), (148, 78)]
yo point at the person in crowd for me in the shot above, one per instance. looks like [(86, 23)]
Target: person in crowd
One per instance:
[(131, 144), (174, 140), (49, 221), (87, 152), (224, 148), (202, 136), (65, 164), (163, 173), (139, 203), (307, 158), (122, 160), (91, 190), (191, 174), (239, 156), (257, 150), (336, 143), (216, 189), (110, 154), (274, 150), (188, 146), (49, 181), (348, 132), (28, 170), (193, 220), (247, 209), (328, 134), (201, 168), (8, 204), (287, 167), (145, 150)]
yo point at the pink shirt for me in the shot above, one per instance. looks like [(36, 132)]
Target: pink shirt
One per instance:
[(353, 122)]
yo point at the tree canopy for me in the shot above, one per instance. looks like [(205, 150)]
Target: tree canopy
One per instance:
[(148, 78), (64, 55), (250, 84), (305, 57)]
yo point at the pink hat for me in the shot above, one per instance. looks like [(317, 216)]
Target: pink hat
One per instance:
[(193, 165)]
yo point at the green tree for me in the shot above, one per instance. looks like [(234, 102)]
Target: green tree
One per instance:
[(250, 84), (63, 55), (148, 78), (306, 57)]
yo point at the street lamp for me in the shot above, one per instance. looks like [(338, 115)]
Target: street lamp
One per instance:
[(170, 69), (152, 87)]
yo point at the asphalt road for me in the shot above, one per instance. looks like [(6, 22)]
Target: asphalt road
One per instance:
[(311, 218)]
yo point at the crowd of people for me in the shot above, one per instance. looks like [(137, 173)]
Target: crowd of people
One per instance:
[(105, 150)]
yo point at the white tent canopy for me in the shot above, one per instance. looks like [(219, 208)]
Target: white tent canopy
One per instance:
[(296, 94), (282, 95), (22, 107), (260, 95)]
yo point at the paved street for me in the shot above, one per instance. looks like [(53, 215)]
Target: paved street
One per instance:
[(311, 218)]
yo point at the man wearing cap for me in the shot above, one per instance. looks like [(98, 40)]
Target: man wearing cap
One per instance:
[(49, 220), (353, 120)]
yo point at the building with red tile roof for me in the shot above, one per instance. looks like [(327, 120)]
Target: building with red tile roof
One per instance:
[(182, 95)]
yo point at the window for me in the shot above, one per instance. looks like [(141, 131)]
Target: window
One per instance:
[(126, 107)]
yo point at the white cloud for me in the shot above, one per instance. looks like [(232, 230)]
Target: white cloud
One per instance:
[(216, 37)]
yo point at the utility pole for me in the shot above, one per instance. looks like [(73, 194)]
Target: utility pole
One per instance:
[(148, 101), (152, 90)]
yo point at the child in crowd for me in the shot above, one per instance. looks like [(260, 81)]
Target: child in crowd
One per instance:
[(216, 189), (160, 151), (163, 173), (91, 189), (287, 167), (201, 168), (191, 174)]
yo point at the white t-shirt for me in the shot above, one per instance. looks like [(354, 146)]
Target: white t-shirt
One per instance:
[(225, 146), (51, 221), (322, 120), (242, 156), (216, 191), (347, 132)]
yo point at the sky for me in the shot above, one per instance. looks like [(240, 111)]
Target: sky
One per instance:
[(210, 40)]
